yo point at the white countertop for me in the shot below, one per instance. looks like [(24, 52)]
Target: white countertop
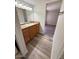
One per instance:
[(28, 25)]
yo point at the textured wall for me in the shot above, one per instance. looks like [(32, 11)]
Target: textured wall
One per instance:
[(52, 17)]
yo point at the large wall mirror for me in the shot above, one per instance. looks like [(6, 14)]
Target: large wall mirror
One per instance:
[(25, 12)]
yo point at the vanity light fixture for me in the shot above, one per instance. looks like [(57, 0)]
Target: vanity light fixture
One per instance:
[(19, 5)]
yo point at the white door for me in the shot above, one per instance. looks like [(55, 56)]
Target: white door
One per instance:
[(58, 39)]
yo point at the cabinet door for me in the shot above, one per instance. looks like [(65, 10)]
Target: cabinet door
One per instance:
[(26, 34), (32, 30)]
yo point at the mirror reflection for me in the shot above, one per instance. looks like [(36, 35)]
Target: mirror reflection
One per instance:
[(25, 13)]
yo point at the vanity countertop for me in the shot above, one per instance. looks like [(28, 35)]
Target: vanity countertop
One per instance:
[(28, 25)]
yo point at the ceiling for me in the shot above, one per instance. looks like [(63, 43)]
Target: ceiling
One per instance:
[(49, 1), (51, 4), (34, 1)]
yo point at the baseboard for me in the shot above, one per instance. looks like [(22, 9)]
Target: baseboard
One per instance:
[(50, 25)]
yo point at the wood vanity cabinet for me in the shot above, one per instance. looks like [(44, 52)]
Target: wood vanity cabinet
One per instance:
[(33, 31), (30, 32), (26, 34)]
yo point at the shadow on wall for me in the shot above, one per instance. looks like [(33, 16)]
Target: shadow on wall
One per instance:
[(41, 30)]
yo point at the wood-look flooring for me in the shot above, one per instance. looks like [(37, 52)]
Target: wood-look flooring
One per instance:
[(39, 48), (49, 30)]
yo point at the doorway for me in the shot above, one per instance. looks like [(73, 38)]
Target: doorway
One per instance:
[(52, 12)]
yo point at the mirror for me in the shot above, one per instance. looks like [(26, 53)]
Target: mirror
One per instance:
[(25, 13)]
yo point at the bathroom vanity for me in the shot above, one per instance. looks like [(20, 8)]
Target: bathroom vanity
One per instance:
[(30, 30)]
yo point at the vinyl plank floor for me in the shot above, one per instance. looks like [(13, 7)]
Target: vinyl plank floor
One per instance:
[(41, 46), (38, 48)]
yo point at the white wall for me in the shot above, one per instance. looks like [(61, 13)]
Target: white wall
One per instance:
[(39, 14), (58, 39), (52, 17), (19, 36)]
